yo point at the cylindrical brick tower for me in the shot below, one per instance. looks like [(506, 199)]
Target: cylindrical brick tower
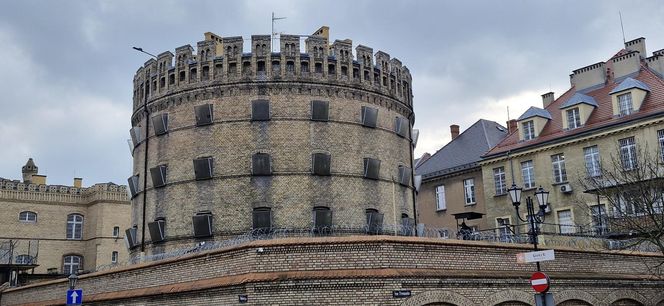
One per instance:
[(227, 141)]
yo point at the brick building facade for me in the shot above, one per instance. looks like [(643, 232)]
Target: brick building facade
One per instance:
[(239, 141), (53, 230)]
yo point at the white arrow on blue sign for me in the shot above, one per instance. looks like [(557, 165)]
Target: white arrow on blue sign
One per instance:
[(74, 297)]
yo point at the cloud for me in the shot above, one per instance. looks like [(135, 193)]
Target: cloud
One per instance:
[(68, 66)]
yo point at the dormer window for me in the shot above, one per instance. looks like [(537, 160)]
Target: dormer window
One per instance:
[(628, 97), (577, 110), (532, 123), (573, 118), (528, 130), (625, 105)]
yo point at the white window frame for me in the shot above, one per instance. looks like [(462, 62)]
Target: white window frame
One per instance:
[(71, 261), (625, 105), (528, 130), (573, 118), (469, 191), (558, 167), (499, 180), (114, 257), (504, 229), (528, 174), (628, 153), (76, 227), (24, 259), (569, 226), (440, 197), (592, 161), (660, 138), (24, 216), (116, 231), (598, 212)]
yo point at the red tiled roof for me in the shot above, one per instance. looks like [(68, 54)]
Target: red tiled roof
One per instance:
[(602, 116)]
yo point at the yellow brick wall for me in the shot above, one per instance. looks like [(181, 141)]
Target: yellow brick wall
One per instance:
[(49, 232)]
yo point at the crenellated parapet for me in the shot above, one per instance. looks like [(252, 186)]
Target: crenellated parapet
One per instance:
[(17, 190), (221, 60)]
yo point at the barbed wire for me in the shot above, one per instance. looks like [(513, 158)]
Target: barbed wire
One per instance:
[(496, 235)]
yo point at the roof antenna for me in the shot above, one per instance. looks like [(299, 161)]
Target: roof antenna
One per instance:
[(621, 27), (273, 33)]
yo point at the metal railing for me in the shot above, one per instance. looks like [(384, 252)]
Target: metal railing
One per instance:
[(582, 239), (19, 252)]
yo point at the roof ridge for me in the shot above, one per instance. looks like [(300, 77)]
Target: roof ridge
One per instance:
[(660, 80), (448, 143)]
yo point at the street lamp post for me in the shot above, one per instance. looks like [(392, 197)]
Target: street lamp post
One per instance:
[(534, 219)]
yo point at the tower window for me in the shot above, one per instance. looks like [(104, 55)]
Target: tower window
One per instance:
[(202, 222), (320, 110), (404, 175), (158, 174), (322, 220), (133, 185), (203, 168), (156, 229), (262, 218), (401, 126), (260, 110), (203, 114), (374, 221), (160, 123), (371, 168), (320, 163), (369, 116), (260, 164)]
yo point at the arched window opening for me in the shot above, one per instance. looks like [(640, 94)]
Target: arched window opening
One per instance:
[(71, 264), (27, 216)]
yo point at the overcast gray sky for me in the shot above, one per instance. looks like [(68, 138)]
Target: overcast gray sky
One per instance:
[(67, 66)]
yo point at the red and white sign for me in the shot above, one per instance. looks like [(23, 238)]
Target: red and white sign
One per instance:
[(540, 282)]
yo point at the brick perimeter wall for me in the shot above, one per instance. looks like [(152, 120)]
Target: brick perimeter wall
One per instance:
[(365, 270)]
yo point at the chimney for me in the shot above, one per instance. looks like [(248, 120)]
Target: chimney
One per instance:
[(638, 45), (454, 130), (511, 126), (78, 182), (547, 99), (39, 179)]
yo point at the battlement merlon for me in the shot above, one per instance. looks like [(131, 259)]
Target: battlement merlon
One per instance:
[(221, 59)]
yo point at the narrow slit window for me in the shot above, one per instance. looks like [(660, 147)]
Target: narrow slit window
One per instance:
[(320, 110)]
